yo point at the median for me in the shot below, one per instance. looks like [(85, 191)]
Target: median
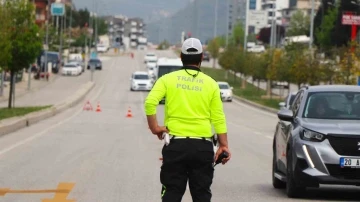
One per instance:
[(250, 92)]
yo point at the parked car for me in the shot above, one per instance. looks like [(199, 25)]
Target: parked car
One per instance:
[(71, 69), (226, 91), (53, 58), (80, 63), (140, 81), (96, 63), (317, 140)]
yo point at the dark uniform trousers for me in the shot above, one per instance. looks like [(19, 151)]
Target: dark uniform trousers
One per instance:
[(183, 160)]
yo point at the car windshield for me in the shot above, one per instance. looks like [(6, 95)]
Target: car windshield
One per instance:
[(333, 105), (94, 61), (224, 86), (70, 66), (141, 77)]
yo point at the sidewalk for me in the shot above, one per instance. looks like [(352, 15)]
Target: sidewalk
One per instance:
[(21, 88), (52, 92)]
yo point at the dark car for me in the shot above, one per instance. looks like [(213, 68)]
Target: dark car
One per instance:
[(206, 56), (317, 140), (53, 58), (288, 101), (96, 63)]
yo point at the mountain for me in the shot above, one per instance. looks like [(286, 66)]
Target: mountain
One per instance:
[(197, 17), (153, 9)]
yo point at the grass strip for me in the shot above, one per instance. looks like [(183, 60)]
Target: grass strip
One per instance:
[(251, 92), (6, 113)]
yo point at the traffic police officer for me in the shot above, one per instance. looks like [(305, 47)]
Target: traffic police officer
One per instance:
[(193, 104)]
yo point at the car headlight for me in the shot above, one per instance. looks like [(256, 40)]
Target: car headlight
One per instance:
[(311, 136)]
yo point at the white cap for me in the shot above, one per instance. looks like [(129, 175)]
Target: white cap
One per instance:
[(191, 43)]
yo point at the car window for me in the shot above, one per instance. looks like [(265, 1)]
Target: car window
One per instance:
[(333, 105), (224, 86), (141, 77), (297, 101)]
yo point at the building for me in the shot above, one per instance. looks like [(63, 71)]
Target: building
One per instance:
[(134, 29), (274, 9), (295, 5)]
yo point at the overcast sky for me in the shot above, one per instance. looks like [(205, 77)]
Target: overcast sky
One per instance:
[(134, 8)]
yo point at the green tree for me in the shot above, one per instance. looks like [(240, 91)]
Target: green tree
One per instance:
[(25, 37), (213, 48), (237, 37), (324, 32), (5, 43), (299, 24)]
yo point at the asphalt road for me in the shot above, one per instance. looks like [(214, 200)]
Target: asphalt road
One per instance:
[(111, 158)]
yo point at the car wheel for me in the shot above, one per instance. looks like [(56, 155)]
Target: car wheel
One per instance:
[(293, 190), (277, 184), (230, 100)]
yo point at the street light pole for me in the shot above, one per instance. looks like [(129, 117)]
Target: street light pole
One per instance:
[(312, 24), (247, 3), (47, 37), (216, 18)]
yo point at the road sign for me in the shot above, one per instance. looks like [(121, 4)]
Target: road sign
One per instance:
[(93, 55), (57, 9), (257, 18), (350, 19)]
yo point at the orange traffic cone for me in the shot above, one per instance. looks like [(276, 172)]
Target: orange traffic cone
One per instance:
[(98, 109), (129, 114)]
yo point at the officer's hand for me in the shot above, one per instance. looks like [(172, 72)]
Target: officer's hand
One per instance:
[(159, 131), (221, 150)]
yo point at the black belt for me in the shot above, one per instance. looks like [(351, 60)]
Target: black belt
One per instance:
[(172, 137)]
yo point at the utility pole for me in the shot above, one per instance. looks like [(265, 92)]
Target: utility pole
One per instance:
[(29, 70), (216, 18), (61, 37), (70, 25), (96, 28)]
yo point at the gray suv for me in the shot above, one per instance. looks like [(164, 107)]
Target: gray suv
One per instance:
[(317, 140)]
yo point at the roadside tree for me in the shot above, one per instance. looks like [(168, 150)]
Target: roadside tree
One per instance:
[(25, 37), (213, 48)]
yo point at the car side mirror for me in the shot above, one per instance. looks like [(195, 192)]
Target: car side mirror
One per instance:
[(282, 104), (231, 88), (285, 115)]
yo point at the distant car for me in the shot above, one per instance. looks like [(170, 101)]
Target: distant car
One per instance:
[(80, 63), (140, 81), (150, 57), (96, 63), (226, 91), (288, 101), (206, 56), (317, 140), (101, 49), (71, 69)]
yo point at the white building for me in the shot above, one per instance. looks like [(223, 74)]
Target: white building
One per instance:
[(274, 8)]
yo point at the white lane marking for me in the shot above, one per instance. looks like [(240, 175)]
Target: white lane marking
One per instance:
[(269, 137), (4, 151), (254, 109), (257, 133)]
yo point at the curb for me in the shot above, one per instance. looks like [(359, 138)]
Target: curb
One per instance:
[(256, 105), (13, 124)]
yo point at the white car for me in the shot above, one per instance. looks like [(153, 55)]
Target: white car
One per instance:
[(79, 64), (101, 49), (140, 81), (150, 57), (71, 69), (226, 91)]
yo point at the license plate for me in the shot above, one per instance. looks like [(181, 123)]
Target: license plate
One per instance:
[(350, 162)]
